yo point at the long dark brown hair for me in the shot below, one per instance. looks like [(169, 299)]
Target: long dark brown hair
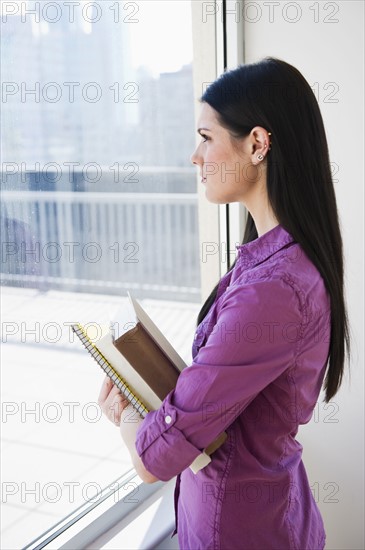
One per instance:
[(273, 94)]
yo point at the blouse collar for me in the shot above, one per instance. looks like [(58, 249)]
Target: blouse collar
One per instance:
[(260, 249)]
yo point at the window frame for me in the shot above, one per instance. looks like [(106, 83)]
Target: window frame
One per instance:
[(233, 215)]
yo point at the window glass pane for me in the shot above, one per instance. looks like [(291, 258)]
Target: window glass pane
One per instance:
[(98, 197)]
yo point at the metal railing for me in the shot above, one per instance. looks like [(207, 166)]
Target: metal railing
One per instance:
[(102, 242)]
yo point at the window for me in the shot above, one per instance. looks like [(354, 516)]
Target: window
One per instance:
[(98, 197)]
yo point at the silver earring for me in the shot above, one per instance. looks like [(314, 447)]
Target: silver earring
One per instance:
[(260, 157)]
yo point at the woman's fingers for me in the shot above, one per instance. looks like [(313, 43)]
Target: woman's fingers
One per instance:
[(114, 391), (105, 390), (112, 402), (116, 408)]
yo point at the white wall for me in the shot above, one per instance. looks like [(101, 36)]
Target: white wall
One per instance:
[(331, 52)]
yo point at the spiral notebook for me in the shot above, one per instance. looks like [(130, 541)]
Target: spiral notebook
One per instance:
[(141, 363), (109, 370)]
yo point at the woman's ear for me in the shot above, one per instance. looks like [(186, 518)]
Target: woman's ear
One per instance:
[(259, 144)]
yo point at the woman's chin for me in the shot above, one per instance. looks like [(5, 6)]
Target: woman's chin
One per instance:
[(215, 198)]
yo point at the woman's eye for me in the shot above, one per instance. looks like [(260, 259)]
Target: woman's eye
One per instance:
[(205, 137)]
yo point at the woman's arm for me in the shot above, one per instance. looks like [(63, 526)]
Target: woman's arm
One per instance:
[(119, 411)]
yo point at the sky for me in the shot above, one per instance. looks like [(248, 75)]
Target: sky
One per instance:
[(160, 30), (162, 38)]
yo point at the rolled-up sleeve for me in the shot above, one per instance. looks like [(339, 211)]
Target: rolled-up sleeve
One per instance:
[(254, 340)]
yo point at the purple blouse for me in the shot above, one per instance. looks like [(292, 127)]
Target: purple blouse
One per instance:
[(259, 359)]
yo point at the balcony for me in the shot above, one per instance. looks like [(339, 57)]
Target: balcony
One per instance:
[(102, 243)]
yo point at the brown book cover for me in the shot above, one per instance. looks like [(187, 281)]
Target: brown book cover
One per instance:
[(147, 358)]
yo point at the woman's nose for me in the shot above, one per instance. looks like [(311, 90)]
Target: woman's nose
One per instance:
[(194, 157)]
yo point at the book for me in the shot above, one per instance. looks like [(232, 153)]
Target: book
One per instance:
[(141, 362)]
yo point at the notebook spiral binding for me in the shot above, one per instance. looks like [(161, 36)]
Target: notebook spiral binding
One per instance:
[(108, 369)]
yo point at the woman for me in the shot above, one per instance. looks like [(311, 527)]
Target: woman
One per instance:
[(272, 325)]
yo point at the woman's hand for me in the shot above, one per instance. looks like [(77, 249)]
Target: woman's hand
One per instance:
[(119, 411), (111, 401)]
